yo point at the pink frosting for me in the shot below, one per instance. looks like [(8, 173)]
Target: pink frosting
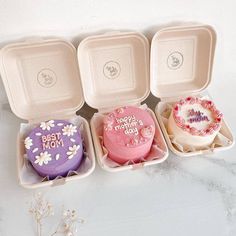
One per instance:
[(128, 134), (207, 104)]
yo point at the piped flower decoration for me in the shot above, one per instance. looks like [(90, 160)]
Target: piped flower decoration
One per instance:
[(47, 125), (69, 130), (120, 110), (72, 151), (107, 127), (28, 143), (147, 132), (109, 119), (134, 141), (213, 126), (43, 158)]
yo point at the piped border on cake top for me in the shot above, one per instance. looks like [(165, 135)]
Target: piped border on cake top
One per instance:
[(207, 104)]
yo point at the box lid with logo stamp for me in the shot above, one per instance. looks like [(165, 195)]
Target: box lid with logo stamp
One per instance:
[(41, 78), (114, 69), (181, 60)]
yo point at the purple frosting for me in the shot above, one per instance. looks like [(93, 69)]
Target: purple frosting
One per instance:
[(54, 148)]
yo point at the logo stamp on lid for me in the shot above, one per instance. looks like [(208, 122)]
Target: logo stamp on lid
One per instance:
[(111, 69), (175, 60), (47, 78)]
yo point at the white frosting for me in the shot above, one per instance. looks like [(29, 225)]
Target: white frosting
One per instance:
[(47, 125), (69, 130), (72, 151), (43, 158), (57, 157), (28, 143)]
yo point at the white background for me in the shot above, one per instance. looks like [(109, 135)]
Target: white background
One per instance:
[(195, 196)]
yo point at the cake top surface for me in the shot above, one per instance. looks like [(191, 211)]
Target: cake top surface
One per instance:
[(129, 126), (197, 116), (52, 143)]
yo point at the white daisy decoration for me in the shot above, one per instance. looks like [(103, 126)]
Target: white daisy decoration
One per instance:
[(72, 151), (43, 158), (69, 130), (47, 125), (28, 143)]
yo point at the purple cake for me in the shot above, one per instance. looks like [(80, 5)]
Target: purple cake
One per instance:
[(54, 148)]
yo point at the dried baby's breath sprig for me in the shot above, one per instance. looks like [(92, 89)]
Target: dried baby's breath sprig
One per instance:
[(40, 209), (68, 223)]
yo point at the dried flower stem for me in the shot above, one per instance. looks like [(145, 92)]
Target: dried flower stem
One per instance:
[(39, 228), (67, 224), (40, 209)]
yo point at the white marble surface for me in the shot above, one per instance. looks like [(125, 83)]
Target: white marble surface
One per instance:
[(182, 196)]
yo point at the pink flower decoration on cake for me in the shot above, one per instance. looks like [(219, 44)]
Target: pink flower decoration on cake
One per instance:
[(218, 114), (189, 99), (186, 128), (120, 110), (147, 131), (215, 126), (181, 102), (109, 120), (134, 141), (211, 130), (207, 104), (108, 127)]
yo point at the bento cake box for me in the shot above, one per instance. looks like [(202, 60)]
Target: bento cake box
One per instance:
[(181, 65), (114, 70), (42, 82)]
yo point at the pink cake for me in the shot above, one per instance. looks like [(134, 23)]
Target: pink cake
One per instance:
[(128, 134)]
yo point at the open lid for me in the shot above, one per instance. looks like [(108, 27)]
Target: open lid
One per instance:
[(41, 78), (181, 60), (114, 69)]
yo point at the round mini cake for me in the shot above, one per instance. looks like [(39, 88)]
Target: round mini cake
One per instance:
[(128, 134), (54, 148), (194, 122)]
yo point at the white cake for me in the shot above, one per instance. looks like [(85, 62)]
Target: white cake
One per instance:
[(194, 122)]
